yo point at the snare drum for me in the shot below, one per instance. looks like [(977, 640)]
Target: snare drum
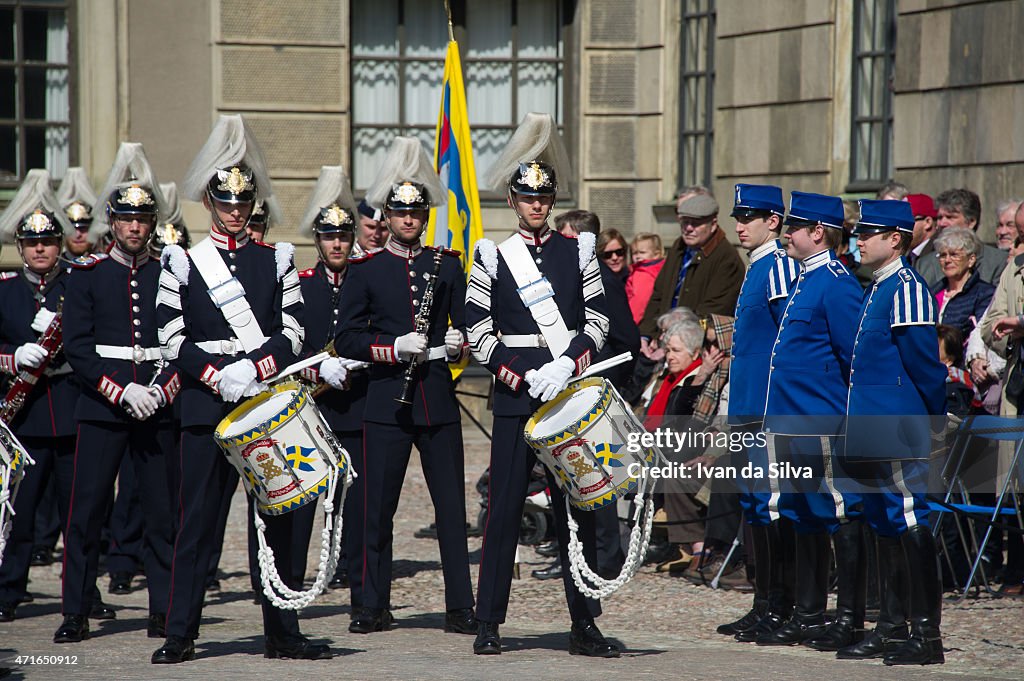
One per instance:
[(582, 437), (282, 448)]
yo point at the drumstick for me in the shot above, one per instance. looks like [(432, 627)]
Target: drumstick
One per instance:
[(607, 364), (299, 366)]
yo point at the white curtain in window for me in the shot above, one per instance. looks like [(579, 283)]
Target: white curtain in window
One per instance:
[(57, 94)]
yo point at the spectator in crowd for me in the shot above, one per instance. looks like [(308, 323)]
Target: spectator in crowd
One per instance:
[(896, 191), (1006, 228), (613, 250), (702, 270), (640, 390), (962, 296), (925, 227), (960, 393), (688, 366), (962, 208), (648, 256)]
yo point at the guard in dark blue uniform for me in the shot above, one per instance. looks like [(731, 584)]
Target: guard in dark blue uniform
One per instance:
[(506, 338), (341, 383), (225, 339), (110, 340), (897, 388), (806, 404), (29, 301), (759, 210), (403, 310)]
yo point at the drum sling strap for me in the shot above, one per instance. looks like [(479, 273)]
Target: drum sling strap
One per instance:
[(227, 294), (537, 294)]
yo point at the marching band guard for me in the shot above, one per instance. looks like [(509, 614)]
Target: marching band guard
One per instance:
[(806, 404), (532, 363), (759, 210), (110, 338), (897, 384), (215, 304), (78, 201), (29, 303), (330, 220), (403, 329)]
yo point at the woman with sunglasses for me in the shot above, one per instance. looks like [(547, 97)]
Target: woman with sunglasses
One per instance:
[(614, 252)]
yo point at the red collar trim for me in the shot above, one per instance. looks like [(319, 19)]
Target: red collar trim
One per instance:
[(226, 242), (535, 237), (126, 259), (403, 251)]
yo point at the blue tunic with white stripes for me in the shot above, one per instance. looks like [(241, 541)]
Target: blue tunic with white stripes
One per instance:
[(759, 309), (896, 378)]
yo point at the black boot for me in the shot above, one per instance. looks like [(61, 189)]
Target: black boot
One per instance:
[(586, 639), (925, 605), (369, 620), (891, 629), (781, 579), (848, 626), (174, 650), (808, 620), (762, 578), (488, 640), (872, 592), (294, 647), (460, 621), (74, 629)]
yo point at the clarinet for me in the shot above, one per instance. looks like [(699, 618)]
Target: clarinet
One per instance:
[(421, 326), (52, 340)]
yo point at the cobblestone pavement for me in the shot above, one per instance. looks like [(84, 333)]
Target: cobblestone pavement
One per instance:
[(665, 624)]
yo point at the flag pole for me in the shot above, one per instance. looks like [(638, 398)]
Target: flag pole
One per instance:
[(448, 11)]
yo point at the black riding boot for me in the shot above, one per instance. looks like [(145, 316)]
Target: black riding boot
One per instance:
[(848, 626), (808, 620), (781, 577), (925, 643), (891, 629), (762, 577)]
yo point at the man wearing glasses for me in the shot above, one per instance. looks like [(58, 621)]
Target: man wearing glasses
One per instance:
[(702, 269)]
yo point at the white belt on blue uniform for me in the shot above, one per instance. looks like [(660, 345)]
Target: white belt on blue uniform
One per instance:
[(232, 346), (527, 340), (134, 353)]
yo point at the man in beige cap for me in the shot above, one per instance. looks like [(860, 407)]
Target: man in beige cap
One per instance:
[(702, 269)]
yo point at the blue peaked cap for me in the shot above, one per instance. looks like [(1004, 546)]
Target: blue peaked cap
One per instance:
[(757, 198), (814, 208), (884, 216)]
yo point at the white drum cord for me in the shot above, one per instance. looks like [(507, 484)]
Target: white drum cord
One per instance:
[(277, 592), (7, 495)]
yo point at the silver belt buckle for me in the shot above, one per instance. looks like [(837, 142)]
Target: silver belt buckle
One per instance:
[(542, 342), (138, 354), (227, 347)]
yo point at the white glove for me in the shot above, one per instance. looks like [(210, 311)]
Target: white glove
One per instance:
[(410, 345), (29, 356), (334, 372), (161, 398), (255, 388), (42, 320), (236, 380), (453, 341), (139, 401), (353, 364), (551, 378)]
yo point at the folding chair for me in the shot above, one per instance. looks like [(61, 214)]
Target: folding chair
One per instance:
[(957, 497)]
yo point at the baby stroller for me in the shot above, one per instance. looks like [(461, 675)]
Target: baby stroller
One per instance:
[(538, 519)]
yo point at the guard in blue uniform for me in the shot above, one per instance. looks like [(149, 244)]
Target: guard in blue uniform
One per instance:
[(759, 210), (506, 338), (806, 404), (110, 340), (342, 383), (225, 338), (29, 301), (897, 388), (384, 321)]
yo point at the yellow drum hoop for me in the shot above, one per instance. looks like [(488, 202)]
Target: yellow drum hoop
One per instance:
[(267, 426), (578, 427)]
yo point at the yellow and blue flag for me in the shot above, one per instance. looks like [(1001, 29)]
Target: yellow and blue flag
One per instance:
[(457, 224)]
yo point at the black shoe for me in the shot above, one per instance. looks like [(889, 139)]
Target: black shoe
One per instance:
[(7, 611), (547, 549), (156, 626), (174, 650), (553, 571), (874, 645), (742, 624), (41, 557), (120, 583), (340, 580), (842, 633), (428, 532), (917, 651), (75, 629), (766, 625), (102, 611), (213, 585), (586, 639), (369, 620), (461, 621), (792, 632), (488, 640), (295, 647)]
